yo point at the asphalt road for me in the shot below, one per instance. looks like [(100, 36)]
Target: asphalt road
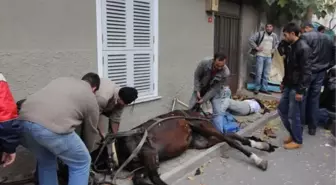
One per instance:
[(313, 164)]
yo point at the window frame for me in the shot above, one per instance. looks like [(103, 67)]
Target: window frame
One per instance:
[(100, 48)]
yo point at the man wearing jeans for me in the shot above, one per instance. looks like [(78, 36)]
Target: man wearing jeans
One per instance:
[(50, 117), (209, 76), (322, 56), (263, 45), (294, 85)]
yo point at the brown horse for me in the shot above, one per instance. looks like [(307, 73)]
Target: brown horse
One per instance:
[(172, 134)]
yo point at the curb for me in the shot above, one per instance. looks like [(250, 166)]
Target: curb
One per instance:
[(204, 156)]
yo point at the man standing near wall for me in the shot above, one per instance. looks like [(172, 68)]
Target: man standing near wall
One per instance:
[(263, 45), (209, 76), (322, 56)]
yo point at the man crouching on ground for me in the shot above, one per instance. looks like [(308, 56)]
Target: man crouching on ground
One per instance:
[(209, 76), (294, 85), (10, 128), (112, 99), (50, 117)]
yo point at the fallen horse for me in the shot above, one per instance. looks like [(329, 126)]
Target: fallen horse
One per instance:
[(168, 136), (164, 137)]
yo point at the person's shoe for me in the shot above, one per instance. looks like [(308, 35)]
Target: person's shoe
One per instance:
[(256, 92), (292, 145), (288, 140), (312, 131), (265, 92), (327, 126)]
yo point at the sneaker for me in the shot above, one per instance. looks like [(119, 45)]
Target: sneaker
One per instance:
[(256, 92), (292, 145)]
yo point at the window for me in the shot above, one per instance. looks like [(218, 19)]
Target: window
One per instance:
[(129, 44)]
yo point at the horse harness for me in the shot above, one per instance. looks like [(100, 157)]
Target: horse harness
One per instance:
[(112, 136)]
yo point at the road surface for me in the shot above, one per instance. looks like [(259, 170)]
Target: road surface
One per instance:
[(313, 164)]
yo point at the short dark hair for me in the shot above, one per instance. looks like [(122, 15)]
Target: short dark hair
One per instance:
[(292, 27), (269, 24), (128, 94), (320, 28), (219, 56), (93, 79)]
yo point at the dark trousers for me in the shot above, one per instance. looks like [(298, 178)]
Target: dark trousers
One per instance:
[(290, 113), (313, 100)]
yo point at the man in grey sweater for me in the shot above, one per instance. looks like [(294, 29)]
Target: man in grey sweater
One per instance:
[(209, 76), (50, 117)]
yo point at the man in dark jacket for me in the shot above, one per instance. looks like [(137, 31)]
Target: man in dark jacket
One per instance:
[(322, 55), (209, 76), (294, 85)]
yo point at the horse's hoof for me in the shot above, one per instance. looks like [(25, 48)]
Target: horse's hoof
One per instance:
[(263, 165)]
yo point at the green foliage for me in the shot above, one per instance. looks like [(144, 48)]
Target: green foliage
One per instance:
[(281, 11)]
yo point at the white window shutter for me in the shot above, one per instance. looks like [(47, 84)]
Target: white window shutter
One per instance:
[(143, 24), (128, 46)]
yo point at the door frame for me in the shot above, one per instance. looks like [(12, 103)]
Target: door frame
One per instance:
[(216, 43)]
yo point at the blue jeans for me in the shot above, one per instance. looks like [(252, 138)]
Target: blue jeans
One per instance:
[(263, 69), (290, 113), (313, 100), (215, 102), (47, 146)]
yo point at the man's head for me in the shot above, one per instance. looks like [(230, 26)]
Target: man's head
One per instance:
[(291, 32), (93, 79), (321, 29), (219, 61), (269, 28), (307, 27), (127, 95)]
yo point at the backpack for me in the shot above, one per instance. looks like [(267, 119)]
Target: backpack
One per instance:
[(225, 123)]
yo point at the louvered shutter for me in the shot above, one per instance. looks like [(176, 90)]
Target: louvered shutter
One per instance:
[(128, 43)]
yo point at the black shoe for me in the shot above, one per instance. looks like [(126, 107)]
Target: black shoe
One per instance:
[(256, 92), (265, 92), (327, 126), (312, 131)]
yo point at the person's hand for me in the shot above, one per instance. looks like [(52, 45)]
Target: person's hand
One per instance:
[(282, 87), (298, 97), (259, 48), (198, 95), (8, 159), (200, 101)]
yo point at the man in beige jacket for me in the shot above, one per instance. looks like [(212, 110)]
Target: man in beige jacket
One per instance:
[(112, 99)]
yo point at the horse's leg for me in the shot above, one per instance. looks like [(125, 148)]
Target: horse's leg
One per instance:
[(206, 131), (200, 142), (139, 178), (151, 163), (253, 142)]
